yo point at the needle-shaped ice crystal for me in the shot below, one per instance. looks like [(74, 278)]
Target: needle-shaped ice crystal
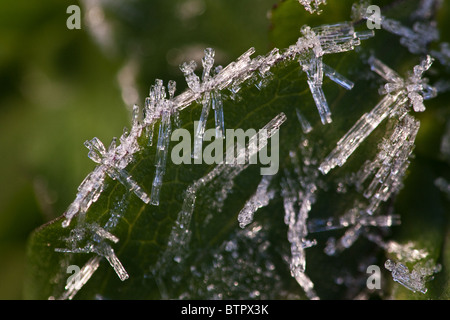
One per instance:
[(112, 161), (353, 217), (83, 276), (390, 164), (398, 94), (88, 193), (112, 165), (207, 96), (318, 41), (417, 38), (158, 106), (260, 199), (180, 234), (90, 237)]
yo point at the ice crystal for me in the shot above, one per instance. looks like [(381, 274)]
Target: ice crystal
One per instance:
[(208, 97), (83, 276), (180, 234), (112, 162), (423, 32), (398, 94), (413, 280), (88, 238), (312, 5), (390, 163), (377, 180), (323, 40), (299, 194), (260, 198)]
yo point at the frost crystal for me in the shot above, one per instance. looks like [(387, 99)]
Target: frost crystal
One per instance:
[(207, 96), (414, 280), (157, 106), (312, 5), (418, 38), (92, 238), (180, 234), (81, 278), (323, 40), (390, 163), (260, 199), (299, 194), (112, 162), (398, 92)]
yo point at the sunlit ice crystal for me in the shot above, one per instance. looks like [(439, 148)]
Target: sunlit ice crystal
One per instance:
[(337, 77), (314, 72), (413, 280), (209, 97), (297, 202), (192, 80), (108, 252), (358, 133), (112, 161), (88, 193), (390, 163), (312, 5), (317, 42), (162, 149), (398, 92), (260, 198), (91, 238), (340, 37), (80, 279)]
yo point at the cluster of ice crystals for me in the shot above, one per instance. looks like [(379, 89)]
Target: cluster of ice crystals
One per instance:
[(318, 41), (92, 238), (390, 163), (312, 5), (83, 276), (414, 280), (180, 234), (299, 194), (398, 93), (112, 161), (207, 92), (423, 32), (309, 50)]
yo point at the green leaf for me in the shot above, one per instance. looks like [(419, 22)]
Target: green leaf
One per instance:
[(221, 260)]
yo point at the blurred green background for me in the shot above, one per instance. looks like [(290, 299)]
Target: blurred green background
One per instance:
[(60, 87)]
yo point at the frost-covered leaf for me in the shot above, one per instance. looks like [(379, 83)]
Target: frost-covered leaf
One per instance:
[(221, 231)]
